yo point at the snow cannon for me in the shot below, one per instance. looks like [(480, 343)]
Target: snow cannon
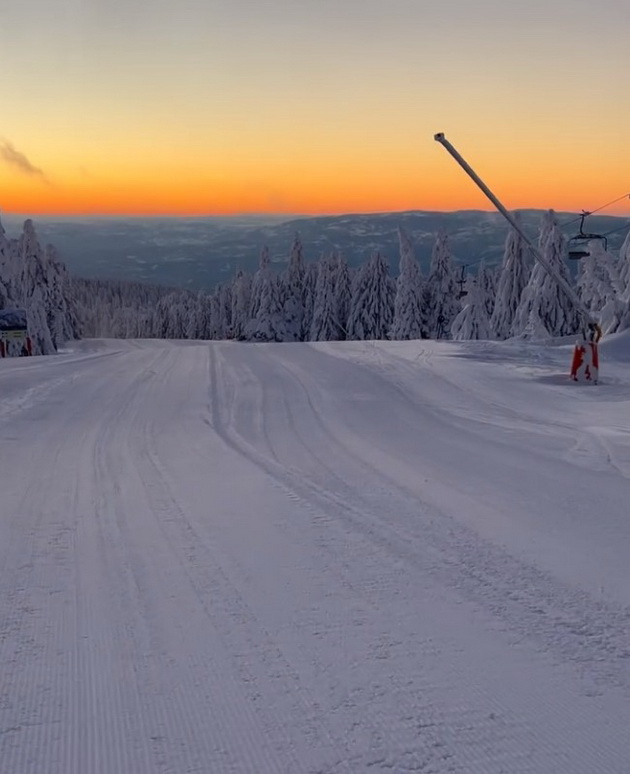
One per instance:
[(585, 364)]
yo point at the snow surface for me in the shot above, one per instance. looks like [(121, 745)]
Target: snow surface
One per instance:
[(348, 557)]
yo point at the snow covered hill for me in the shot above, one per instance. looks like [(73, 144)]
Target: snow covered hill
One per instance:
[(333, 557)]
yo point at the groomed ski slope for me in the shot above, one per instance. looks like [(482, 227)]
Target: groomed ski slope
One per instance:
[(351, 557)]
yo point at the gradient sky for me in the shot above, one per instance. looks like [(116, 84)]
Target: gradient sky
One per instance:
[(311, 106)]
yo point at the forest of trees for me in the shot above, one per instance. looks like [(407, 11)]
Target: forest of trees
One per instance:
[(324, 300)]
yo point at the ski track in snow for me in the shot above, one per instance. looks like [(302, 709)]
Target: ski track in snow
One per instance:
[(401, 557)]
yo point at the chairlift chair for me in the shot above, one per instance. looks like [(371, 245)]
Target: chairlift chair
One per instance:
[(578, 245)]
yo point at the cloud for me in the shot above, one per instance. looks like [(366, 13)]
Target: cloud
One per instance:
[(16, 159)]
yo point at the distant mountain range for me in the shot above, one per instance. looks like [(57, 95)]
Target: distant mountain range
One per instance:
[(200, 252)]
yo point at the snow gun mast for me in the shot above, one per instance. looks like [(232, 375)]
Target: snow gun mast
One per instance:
[(592, 330)]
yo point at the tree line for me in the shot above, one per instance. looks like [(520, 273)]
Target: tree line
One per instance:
[(325, 299)]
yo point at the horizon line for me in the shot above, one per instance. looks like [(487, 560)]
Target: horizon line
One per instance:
[(275, 215)]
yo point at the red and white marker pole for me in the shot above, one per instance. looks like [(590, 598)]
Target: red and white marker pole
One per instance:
[(585, 365)]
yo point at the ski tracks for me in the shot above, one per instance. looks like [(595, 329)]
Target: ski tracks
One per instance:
[(48, 695), (288, 720), (198, 708), (124, 648), (247, 581), (521, 605)]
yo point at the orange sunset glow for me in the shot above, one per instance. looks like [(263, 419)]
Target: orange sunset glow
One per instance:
[(220, 109)]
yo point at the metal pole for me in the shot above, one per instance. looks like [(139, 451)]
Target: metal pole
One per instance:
[(562, 283)]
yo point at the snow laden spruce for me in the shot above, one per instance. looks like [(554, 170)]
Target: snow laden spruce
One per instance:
[(513, 278), (34, 278), (326, 300), (297, 299)]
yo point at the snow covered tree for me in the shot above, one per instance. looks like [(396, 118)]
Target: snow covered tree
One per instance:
[(220, 303), (268, 312), (293, 283), (409, 322), (472, 322), (601, 288), (372, 307), (442, 293), (36, 280), (4, 268), (192, 325), (514, 276), (624, 262), (204, 315), (34, 289), (9, 269), (270, 322), (225, 304), (325, 326), (61, 315), (343, 294), (260, 278), (241, 303), (544, 308), (487, 287), (118, 309), (171, 318), (598, 278), (310, 288)]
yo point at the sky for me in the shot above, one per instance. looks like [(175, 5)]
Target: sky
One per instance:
[(312, 106)]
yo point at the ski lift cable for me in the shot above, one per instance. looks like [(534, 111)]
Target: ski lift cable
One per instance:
[(619, 228), (592, 212), (479, 261)]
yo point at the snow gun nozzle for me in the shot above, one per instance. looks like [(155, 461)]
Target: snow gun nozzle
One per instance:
[(594, 331), (439, 137)]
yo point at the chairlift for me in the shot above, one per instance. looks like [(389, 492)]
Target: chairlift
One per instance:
[(578, 244)]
